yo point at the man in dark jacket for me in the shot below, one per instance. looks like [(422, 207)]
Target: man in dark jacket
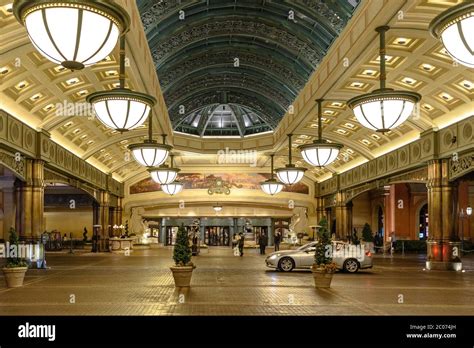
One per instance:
[(277, 241), (241, 244), (263, 243)]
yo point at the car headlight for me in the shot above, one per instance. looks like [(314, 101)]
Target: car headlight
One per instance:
[(273, 257)]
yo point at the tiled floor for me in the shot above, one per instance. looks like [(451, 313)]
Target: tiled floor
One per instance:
[(222, 284)]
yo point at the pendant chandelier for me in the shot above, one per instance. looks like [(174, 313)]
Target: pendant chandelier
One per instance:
[(121, 108), (173, 188), (217, 207), (73, 33), (290, 174), (164, 174), (384, 108), (150, 153), (455, 28), (271, 186), (320, 152)]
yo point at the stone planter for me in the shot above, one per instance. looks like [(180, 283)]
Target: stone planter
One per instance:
[(322, 278), (14, 276), (182, 275)]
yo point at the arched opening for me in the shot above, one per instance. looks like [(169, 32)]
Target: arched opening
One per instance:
[(423, 223), (68, 216)]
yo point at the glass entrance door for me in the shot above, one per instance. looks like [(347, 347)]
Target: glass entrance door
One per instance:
[(216, 235)]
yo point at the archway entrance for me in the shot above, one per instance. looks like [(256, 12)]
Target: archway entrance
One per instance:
[(423, 223), (68, 216)]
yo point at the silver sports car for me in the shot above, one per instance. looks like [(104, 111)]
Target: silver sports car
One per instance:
[(348, 257)]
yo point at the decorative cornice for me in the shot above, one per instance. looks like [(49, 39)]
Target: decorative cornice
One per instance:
[(18, 138)]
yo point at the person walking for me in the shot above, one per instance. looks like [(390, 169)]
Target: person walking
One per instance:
[(277, 241), (393, 241), (262, 243), (241, 244)]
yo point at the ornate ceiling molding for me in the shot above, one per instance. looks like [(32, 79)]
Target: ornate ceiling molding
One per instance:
[(224, 81), (277, 45)]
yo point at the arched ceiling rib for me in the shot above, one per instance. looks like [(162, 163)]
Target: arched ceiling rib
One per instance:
[(257, 53)]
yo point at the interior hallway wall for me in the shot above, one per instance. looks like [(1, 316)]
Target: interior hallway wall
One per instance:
[(70, 221)]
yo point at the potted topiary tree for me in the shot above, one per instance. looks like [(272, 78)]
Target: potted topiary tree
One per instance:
[(16, 267), (183, 268), (323, 267), (368, 238)]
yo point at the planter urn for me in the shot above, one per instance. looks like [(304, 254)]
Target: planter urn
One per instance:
[(182, 275), (14, 276), (322, 278)]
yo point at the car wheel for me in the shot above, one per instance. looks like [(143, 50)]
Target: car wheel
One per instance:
[(286, 264), (351, 266)]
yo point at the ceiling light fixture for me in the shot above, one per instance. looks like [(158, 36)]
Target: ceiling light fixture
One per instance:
[(150, 153), (320, 152), (73, 33), (290, 174), (174, 188), (271, 186), (163, 174), (121, 109), (384, 108), (454, 27), (217, 207)]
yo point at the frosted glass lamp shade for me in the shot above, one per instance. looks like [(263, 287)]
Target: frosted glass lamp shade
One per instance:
[(455, 28), (383, 109), (121, 109), (173, 189), (72, 33), (320, 153), (163, 174), (290, 174), (271, 186), (150, 153)]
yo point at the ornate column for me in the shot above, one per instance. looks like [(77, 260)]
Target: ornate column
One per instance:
[(30, 200), (320, 209), (37, 199), (19, 207), (103, 219), (342, 216), (119, 211), (443, 247)]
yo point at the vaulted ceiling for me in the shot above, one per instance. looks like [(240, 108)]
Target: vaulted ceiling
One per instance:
[(255, 55), (31, 87)]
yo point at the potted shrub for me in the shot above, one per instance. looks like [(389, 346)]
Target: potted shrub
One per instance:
[(183, 268), (368, 238), (16, 267), (323, 267)]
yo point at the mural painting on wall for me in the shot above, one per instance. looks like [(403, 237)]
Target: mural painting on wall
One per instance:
[(247, 181)]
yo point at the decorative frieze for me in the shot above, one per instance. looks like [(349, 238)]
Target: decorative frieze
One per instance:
[(13, 162), (461, 165)]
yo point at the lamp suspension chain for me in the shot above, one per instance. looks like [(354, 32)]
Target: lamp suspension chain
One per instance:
[(122, 62), (289, 148), (320, 122), (150, 126), (383, 74), (271, 164)]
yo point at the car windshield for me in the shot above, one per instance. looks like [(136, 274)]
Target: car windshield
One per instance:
[(306, 246)]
